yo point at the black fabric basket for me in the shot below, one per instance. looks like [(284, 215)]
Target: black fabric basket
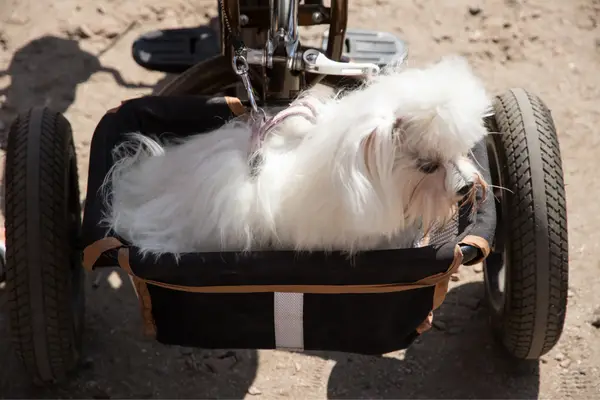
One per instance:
[(376, 302)]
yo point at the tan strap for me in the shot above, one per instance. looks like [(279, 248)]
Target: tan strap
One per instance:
[(440, 292), (480, 243), (441, 286), (142, 293), (92, 253), (437, 278), (235, 105), (426, 324), (123, 259), (145, 306)]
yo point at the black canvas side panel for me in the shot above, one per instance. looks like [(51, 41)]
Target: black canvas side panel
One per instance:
[(362, 324), (483, 222), (365, 323), (213, 321)]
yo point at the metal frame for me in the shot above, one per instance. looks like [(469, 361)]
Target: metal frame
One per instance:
[(278, 81)]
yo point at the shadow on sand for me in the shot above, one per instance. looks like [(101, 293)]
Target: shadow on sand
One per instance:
[(458, 359), (46, 72)]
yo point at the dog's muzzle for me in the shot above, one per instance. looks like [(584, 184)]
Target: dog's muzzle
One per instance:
[(461, 180), (466, 189)]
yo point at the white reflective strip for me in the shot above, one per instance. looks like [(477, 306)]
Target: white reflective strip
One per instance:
[(289, 323)]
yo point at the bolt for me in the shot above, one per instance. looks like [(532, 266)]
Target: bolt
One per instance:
[(317, 17), (244, 19), (311, 57)]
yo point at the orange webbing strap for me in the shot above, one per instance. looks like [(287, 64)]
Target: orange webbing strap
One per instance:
[(235, 105), (141, 289), (441, 288), (426, 324), (480, 243), (92, 253), (441, 284)]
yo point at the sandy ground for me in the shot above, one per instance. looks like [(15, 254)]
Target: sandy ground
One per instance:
[(64, 54)]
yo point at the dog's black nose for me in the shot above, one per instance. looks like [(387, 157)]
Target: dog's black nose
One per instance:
[(463, 191)]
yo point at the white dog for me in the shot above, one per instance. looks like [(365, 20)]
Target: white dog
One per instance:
[(354, 172)]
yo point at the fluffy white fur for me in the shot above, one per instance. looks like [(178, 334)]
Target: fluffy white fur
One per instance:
[(349, 181)]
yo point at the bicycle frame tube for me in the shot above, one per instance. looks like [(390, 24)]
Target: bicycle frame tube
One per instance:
[(281, 47), (337, 29), (284, 24), (284, 21)]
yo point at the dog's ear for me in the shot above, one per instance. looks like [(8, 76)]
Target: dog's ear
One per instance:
[(378, 151), (368, 149)]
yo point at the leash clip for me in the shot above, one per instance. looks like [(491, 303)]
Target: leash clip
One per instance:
[(241, 68)]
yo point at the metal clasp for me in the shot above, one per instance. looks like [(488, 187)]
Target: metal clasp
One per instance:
[(240, 66)]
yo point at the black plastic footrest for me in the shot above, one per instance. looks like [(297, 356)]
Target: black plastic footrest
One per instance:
[(365, 46), (175, 50)]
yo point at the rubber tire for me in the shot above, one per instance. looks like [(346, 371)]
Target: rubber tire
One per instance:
[(535, 218), (45, 278)]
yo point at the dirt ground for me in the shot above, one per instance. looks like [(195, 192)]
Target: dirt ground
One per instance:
[(74, 55)]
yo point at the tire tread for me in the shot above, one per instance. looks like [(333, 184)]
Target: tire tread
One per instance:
[(48, 350), (522, 167)]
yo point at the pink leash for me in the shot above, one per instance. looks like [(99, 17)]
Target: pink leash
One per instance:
[(261, 127)]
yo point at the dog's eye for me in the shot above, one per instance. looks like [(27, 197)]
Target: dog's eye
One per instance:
[(428, 167)]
